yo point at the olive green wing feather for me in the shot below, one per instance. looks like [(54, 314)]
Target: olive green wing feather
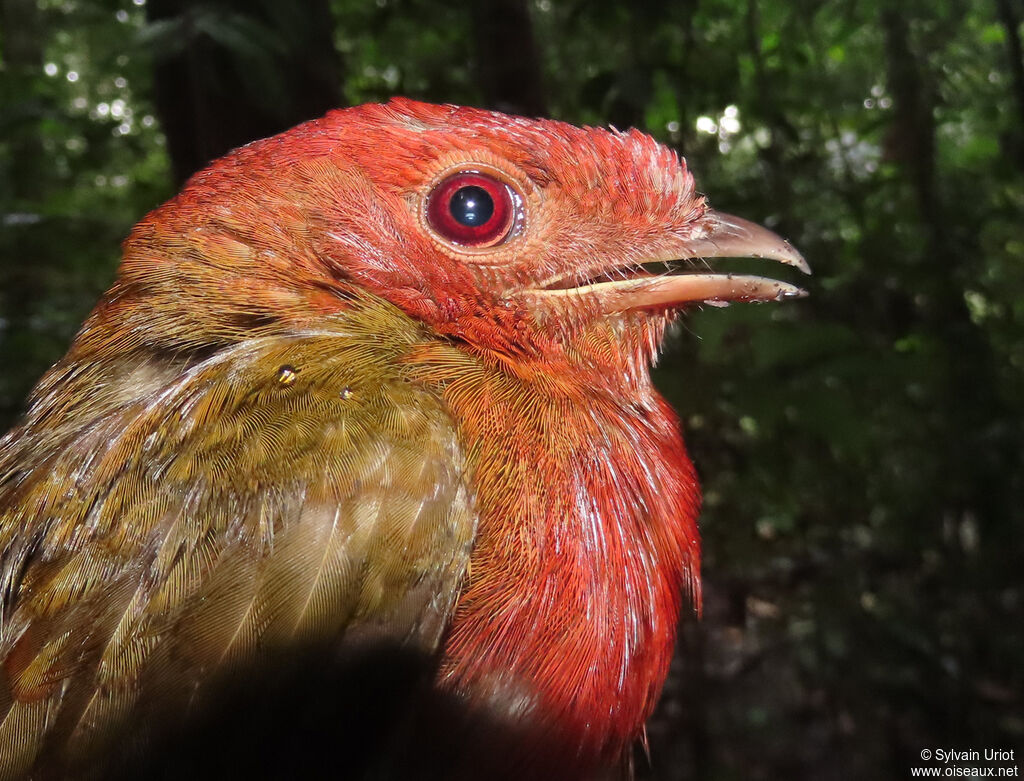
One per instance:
[(290, 490)]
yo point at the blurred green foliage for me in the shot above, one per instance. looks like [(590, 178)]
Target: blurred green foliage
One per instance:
[(861, 450)]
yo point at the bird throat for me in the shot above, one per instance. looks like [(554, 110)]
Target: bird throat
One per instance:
[(586, 545)]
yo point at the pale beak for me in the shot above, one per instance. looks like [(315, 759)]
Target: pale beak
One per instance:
[(730, 236), (724, 236)]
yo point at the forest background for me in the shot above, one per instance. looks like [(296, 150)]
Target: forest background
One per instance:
[(861, 450)]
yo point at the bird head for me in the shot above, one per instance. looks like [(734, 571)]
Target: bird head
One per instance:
[(509, 234)]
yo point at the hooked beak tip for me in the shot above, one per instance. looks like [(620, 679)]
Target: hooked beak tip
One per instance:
[(729, 236)]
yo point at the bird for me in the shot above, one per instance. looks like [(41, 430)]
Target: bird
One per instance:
[(374, 389)]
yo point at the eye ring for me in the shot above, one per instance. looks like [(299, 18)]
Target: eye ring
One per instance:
[(472, 209)]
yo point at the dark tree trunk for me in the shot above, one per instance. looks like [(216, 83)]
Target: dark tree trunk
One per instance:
[(507, 64), (684, 73), (1011, 22), (21, 286), (911, 139), (232, 71), (23, 59), (978, 454)]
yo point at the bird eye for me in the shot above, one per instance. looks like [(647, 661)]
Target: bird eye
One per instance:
[(471, 209)]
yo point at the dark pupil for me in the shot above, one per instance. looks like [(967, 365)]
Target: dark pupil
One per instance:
[(472, 206)]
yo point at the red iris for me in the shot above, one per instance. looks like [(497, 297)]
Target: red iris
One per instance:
[(471, 209)]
